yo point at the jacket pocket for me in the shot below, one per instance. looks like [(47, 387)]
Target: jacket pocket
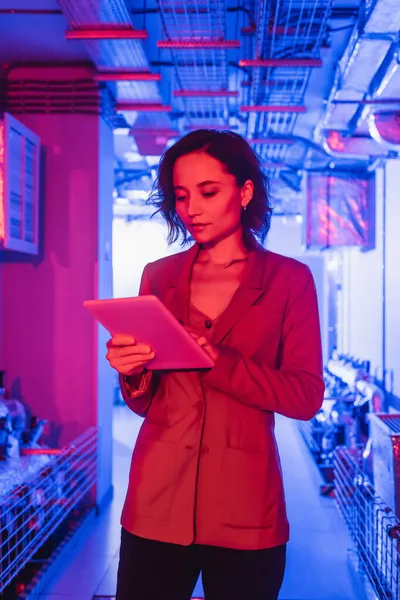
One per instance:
[(152, 479), (244, 499)]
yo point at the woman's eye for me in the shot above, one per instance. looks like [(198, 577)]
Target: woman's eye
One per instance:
[(209, 194), (180, 198)]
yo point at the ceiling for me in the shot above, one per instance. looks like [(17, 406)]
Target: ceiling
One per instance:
[(203, 86)]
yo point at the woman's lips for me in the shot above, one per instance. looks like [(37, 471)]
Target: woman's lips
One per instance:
[(198, 226)]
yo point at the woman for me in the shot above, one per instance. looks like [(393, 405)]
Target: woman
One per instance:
[(205, 487)]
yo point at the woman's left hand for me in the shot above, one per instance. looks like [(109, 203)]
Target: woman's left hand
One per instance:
[(211, 350)]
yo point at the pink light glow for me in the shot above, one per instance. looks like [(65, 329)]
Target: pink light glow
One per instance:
[(273, 108), (125, 75), (198, 43), (108, 32), (281, 62)]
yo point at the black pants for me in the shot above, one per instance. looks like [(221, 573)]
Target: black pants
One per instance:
[(150, 570)]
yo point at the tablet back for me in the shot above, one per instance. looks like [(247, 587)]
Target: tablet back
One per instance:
[(148, 321)]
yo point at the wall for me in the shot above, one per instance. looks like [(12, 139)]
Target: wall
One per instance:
[(104, 286), (51, 347), (365, 334), (392, 276)]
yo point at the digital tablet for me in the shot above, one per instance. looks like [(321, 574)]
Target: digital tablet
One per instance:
[(149, 321)]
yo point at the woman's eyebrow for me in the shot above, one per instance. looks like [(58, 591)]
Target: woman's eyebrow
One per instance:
[(206, 183)]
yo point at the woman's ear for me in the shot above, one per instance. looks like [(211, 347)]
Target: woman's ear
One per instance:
[(247, 193)]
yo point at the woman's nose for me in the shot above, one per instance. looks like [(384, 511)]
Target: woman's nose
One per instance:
[(193, 208)]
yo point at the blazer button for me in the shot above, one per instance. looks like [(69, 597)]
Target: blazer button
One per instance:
[(208, 324)]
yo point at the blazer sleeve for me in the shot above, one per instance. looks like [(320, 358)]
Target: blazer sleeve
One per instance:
[(296, 388), (139, 390)]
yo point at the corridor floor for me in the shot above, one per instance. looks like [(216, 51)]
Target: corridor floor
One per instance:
[(317, 566)]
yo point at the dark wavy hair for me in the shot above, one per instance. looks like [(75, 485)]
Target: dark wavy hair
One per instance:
[(239, 159)]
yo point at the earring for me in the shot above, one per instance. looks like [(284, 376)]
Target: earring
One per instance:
[(245, 207)]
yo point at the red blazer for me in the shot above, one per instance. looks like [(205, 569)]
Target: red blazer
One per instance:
[(206, 467)]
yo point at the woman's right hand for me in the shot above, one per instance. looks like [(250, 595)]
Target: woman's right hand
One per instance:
[(126, 356)]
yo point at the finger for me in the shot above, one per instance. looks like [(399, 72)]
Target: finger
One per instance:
[(134, 361), (192, 333), (132, 350), (123, 340), (128, 364)]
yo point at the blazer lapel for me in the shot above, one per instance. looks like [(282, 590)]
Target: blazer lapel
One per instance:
[(177, 297), (247, 294)]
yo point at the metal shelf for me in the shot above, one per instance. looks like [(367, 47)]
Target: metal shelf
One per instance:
[(373, 526), (32, 511)]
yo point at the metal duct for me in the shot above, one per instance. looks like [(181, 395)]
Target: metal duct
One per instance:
[(361, 148), (372, 37), (385, 128)]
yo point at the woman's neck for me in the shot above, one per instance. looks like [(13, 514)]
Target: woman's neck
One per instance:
[(224, 252)]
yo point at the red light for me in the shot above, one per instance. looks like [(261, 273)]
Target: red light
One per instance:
[(142, 107), (335, 141), (281, 62), (198, 43), (125, 75), (272, 108), (2, 177), (107, 32), (205, 94), (20, 588)]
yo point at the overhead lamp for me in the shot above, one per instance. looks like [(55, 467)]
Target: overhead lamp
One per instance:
[(106, 32)]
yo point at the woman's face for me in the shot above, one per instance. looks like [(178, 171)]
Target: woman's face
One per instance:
[(208, 201)]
